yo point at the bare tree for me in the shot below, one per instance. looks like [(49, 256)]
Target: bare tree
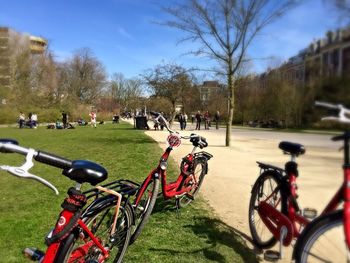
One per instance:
[(342, 7), (170, 81), (86, 76), (225, 29), (126, 91)]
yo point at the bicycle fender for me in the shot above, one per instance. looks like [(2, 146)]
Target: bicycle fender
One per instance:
[(205, 157), (275, 173)]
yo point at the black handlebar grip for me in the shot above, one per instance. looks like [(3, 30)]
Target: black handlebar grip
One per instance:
[(204, 140), (53, 160), (5, 141)]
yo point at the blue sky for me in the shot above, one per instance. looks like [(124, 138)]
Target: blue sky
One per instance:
[(123, 36)]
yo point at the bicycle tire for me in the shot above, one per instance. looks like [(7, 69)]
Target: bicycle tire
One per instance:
[(259, 241), (185, 200), (120, 239), (317, 237), (145, 207)]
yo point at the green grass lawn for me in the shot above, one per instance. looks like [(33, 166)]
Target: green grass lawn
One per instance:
[(29, 210)]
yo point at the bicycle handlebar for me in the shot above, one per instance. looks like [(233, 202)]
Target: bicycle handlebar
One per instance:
[(11, 146), (342, 115), (160, 118), (40, 156), (194, 138)]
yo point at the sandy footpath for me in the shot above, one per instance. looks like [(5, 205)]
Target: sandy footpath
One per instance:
[(233, 171)]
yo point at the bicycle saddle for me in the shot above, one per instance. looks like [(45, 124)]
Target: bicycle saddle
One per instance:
[(292, 148), (83, 171)]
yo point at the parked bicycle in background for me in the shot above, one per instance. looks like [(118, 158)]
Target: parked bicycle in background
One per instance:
[(194, 167), (274, 213)]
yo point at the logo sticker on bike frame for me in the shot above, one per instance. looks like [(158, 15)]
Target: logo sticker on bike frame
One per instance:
[(174, 140), (62, 221)]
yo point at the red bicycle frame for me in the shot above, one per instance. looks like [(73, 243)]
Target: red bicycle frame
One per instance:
[(52, 249), (275, 220), (64, 219), (172, 189)]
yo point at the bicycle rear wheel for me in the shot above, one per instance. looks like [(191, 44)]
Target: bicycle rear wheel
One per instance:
[(195, 180), (144, 207), (268, 187), (78, 247), (323, 240)]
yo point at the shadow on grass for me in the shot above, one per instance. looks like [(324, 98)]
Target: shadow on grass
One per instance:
[(214, 232), (120, 140)]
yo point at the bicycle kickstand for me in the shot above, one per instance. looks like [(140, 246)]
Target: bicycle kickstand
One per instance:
[(283, 235), (272, 255), (177, 206)]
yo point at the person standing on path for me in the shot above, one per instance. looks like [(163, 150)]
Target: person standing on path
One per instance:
[(217, 118), (206, 120), (198, 119), (181, 121), (93, 118), (64, 119), (185, 121)]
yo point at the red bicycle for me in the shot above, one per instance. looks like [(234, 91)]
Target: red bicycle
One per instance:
[(327, 238), (194, 167), (274, 213), (98, 233)]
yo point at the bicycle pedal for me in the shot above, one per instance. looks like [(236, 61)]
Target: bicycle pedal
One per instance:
[(189, 196), (33, 254), (177, 210), (310, 213), (271, 255)]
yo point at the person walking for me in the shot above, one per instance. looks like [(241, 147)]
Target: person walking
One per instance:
[(93, 118), (185, 121), (206, 120), (181, 121), (198, 119), (217, 118)]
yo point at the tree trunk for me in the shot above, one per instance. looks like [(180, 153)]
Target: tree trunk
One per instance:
[(230, 105), (173, 114)]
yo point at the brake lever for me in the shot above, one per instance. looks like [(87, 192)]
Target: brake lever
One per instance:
[(22, 171)]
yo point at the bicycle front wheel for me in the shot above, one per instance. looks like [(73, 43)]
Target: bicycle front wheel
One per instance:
[(266, 188), (79, 248), (195, 180), (323, 240), (146, 197)]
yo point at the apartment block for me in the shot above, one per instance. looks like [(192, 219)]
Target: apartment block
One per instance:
[(11, 42)]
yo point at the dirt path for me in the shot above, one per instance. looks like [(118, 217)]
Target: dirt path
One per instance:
[(233, 171)]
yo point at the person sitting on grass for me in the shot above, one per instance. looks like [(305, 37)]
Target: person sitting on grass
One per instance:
[(59, 125)]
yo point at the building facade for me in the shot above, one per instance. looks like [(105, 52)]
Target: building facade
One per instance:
[(207, 89), (11, 42), (326, 57)]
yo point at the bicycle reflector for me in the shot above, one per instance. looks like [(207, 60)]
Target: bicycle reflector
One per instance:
[(174, 140)]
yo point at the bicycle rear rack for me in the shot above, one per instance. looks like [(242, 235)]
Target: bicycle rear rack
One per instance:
[(124, 187)]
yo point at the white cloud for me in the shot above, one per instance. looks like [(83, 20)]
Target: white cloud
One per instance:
[(124, 33)]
